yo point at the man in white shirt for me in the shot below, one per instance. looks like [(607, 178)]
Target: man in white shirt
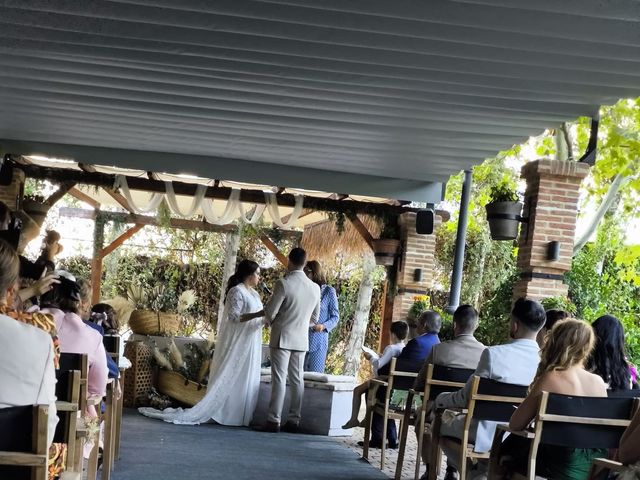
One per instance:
[(515, 362), (294, 305), (27, 372)]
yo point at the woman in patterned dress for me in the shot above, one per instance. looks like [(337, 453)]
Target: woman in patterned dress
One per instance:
[(327, 321)]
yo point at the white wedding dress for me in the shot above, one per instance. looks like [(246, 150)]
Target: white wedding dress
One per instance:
[(234, 380)]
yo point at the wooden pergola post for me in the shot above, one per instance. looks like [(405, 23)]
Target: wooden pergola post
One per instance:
[(99, 253)]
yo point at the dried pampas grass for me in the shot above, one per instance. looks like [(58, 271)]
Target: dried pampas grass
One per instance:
[(161, 359), (175, 355), (123, 308)]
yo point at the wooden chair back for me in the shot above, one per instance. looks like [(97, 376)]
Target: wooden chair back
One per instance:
[(397, 380), (439, 379), (633, 393), (77, 362), (112, 346), (492, 401), (582, 422), (24, 452), (579, 422), (443, 379), (67, 405)]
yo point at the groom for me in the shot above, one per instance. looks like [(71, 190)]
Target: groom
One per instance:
[(294, 305)]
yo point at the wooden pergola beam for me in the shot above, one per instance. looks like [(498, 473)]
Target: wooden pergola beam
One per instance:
[(282, 258), (178, 223), (189, 189), (362, 229), (62, 190), (83, 197), (126, 235)]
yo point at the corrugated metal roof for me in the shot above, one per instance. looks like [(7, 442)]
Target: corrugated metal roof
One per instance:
[(395, 93)]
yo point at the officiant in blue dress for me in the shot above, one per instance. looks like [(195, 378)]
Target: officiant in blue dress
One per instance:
[(327, 321)]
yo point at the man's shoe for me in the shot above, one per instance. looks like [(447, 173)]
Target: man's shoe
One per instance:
[(290, 427), (269, 427), (451, 474), (378, 444)]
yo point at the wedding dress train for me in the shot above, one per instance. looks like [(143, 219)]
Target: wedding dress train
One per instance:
[(234, 379)]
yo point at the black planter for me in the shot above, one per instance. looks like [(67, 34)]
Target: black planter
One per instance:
[(504, 219)]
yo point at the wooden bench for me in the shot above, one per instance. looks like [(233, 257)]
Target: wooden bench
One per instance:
[(24, 453)]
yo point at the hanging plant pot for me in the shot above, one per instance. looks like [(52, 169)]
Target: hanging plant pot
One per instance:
[(386, 250), (36, 210), (504, 219)]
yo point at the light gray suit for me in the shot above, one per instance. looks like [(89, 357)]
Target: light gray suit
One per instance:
[(294, 304), (462, 352), (514, 362)]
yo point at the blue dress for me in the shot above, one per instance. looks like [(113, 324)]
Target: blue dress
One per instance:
[(319, 341)]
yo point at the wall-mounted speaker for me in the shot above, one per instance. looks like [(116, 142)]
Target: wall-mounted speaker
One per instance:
[(425, 220)]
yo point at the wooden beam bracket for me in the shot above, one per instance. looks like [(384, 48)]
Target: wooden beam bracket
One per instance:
[(274, 249)]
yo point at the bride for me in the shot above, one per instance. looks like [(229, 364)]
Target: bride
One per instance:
[(234, 380)]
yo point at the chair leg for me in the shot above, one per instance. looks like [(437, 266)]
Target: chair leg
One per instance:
[(420, 435), (107, 453), (463, 461), (92, 464), (367, 434), (435, 453), (404, 431), (118, 422), (383, 447)]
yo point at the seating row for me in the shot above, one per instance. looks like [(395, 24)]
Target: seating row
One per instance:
[(561, 420), (24, 453)]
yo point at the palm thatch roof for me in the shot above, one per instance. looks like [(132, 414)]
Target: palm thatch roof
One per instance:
[(322, 241)]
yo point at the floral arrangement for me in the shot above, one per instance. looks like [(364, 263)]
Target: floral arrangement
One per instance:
[(193, 364), (161, 299), (420, 304)]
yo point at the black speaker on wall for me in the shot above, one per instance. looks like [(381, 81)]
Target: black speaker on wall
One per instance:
[(425, 221)]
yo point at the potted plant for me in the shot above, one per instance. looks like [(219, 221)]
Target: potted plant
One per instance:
[(421, 303), (503, 212), (387, 246), (36, 207), (158, 311)]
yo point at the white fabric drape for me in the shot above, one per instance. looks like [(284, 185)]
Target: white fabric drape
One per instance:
[(274, 211), (154, 200), (229, 213), (233, 208), (173, 203), (257, 213)]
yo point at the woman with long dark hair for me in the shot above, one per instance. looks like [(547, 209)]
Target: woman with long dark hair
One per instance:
[(234, 379), (609, 356)]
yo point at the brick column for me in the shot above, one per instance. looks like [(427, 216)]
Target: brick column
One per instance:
[(551, 205), (10, 194), (418, 251)]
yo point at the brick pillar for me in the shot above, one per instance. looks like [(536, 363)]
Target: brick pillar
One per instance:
[(10, 194), (551, 205), (418, 251)]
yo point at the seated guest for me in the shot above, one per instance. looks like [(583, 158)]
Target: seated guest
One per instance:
[(515, 362), (105, 316), (609, 355), (561, 370), (463, 351), (102, 318), (410, 360), (27, 372), (553, 316), (399, 331), (629, 451), (50, 248), (63, 302)]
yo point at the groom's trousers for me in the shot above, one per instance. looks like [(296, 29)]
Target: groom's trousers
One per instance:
[(283, 362)]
